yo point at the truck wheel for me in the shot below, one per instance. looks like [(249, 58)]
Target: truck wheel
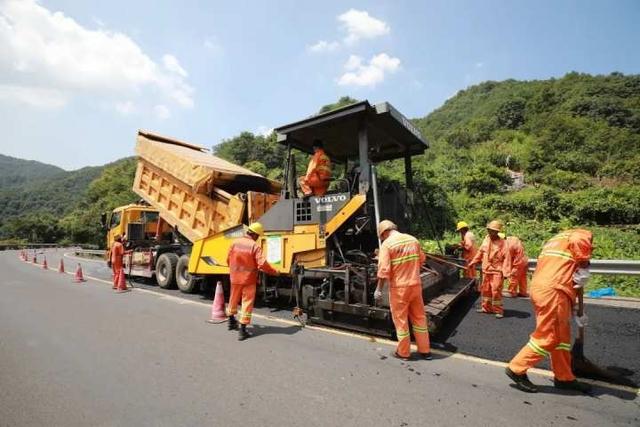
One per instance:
[(186, 282), (166, 270)]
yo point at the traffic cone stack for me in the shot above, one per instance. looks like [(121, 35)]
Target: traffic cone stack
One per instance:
[(45, 266), (217, 308), (61, 266), (79, 278)]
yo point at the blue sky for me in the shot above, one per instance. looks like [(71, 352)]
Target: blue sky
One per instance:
[(78, 78)]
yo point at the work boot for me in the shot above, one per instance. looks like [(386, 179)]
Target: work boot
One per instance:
[(481, 310), (523, 295), (233, 323), (426, 356), (499, 315), (397, 356), (572, 385), (522, 381), (243, 334)]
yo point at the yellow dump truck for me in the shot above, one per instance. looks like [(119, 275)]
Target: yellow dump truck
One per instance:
[(187, 194), (325, 247)]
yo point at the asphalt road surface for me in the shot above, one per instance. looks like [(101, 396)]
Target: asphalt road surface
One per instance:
[(79, 354)]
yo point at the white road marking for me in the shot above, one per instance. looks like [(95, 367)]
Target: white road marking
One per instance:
[(458, 356)]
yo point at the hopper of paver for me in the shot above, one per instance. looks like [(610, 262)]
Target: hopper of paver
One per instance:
[(195, 192)]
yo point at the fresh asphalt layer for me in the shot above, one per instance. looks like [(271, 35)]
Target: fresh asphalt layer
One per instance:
[(78, 354)]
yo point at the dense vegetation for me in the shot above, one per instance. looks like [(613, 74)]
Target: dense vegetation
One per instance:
[(575, 141)]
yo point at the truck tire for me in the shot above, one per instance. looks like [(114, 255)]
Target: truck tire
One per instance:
[(166, 270), (186, 282)]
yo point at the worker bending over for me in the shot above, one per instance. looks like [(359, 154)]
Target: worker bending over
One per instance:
[(562, 269), (468, 246), (318, 176), (399, 261), (245, 258), (496, 265), (519, 266)]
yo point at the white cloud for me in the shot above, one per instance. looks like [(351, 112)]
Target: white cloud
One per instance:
[(479, 64), (171, 64), (323, 46), (161, 112), (360, 74), (264, 131), (360, 25), (126, 108), (33, 96), (49, 53)]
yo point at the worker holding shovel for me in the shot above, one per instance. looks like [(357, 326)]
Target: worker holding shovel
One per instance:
[(561, 274)]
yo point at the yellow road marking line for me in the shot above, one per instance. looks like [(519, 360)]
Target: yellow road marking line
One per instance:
[(385, 341)]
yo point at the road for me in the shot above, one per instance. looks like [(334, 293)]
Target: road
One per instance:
[(78, 354)]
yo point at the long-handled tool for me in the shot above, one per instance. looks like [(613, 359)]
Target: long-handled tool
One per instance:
[(444, 261), (582, 366)]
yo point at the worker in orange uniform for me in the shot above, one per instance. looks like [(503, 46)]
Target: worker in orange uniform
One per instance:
[(561, 272), (496, 265), (245, 258), (318, 176), (519, 266), (116, 255), (468, 246), (399, 261)]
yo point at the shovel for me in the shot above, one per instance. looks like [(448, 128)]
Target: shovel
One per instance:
[(582, 366)]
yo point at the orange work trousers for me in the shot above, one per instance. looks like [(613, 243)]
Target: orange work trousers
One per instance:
[(491, 291), (518, 281), (313, 185), (407, 307), (246, 293), (552, 336), (117, 270)]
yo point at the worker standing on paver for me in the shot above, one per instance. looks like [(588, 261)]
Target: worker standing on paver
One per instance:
[(399, 262), (245, 258), (468, 246), (562, 268), (496, 265), (519, 266), (318, 176), (116, 256)]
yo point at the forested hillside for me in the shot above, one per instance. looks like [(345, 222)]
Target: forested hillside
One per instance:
[(540, 155)]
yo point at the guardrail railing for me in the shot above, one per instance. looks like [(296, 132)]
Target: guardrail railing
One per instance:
[(606, 266)]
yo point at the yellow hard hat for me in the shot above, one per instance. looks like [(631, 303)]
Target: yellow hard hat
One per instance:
[(386, 225), (461, 225), (502, 235), (495, 225), (256, 228)]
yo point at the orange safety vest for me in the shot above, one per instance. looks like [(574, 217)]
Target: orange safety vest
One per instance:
[(320, 165), (245, 258), (495, 256), (559, 258), (400, 260), (516, 250), (117, 252)]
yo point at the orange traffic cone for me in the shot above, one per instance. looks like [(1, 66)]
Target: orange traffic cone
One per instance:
[(79, 278), (61, 266), (122, 283), (45, 266), (217, 308)]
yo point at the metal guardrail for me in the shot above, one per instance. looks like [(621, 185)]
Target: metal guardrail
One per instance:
[(606, 266), (96, 253)]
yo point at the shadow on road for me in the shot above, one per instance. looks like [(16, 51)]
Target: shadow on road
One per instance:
[(516, 313), (260, 330), (595, 393)]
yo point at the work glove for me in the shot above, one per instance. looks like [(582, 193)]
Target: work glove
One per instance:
[(581, 321), (377, 294), (581, 278)]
